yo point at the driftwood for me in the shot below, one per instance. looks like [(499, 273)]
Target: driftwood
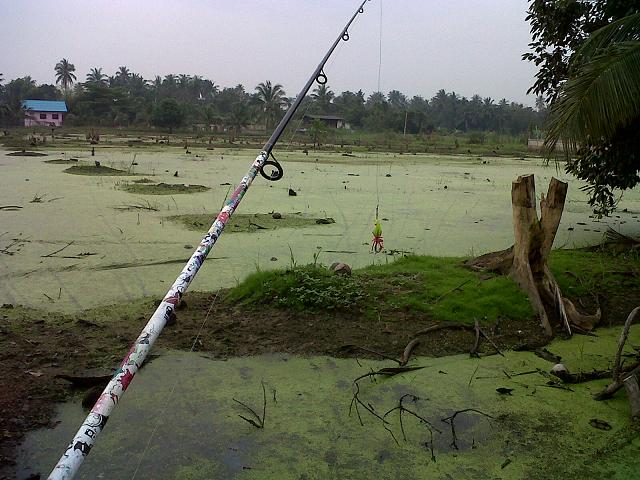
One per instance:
[(406, 355), (618, 375), (526, 260)]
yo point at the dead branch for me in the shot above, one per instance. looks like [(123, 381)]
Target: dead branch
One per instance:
[(57, 251), (402, 409), (491, 342), (381, 355), (449, 292), (474, 349), (452, 419), (618, 382), (10, 208), (443, 326), (404, 359)]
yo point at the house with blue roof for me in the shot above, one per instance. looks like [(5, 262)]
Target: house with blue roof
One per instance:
[(44, 113)]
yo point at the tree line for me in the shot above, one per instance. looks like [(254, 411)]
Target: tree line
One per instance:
[(128, 99)]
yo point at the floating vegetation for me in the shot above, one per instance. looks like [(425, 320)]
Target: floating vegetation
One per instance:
[(97, 170), (144, 188), (249, 222), (62, 161), (26, 154), (143, 180)]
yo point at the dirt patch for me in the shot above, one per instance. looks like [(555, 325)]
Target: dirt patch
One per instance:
[(163, 188), (251, 222), (26, 154), (97, 170)]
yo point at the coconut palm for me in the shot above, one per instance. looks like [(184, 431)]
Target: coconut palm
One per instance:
[(96, 76), (272, 98), (597, 113), (64, 73), (603, 94), (323, 97)]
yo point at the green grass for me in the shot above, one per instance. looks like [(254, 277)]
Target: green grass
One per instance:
[(581, 273), (439, 288)]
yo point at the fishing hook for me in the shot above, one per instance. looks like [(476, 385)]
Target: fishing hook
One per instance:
[(275, 174)]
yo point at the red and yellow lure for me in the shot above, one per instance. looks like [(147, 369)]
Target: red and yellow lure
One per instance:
[(377, 244)]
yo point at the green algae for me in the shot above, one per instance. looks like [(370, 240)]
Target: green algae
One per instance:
[(244, 222), (194, 432)]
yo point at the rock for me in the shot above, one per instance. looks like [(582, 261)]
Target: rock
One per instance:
[(276, 215), (274, 259), (292, 193), (341, 269)]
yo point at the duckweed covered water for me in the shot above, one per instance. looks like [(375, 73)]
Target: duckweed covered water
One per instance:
[(444, 206), (194, 432)]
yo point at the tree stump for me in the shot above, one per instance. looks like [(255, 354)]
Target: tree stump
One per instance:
[(526, 260)]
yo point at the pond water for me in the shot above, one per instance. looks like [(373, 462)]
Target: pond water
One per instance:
[(444, 206), (179, 421)]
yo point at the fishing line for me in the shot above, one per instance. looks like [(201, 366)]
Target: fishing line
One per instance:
[(173, 388)]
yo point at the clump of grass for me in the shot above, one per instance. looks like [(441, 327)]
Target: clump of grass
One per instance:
[(302, 288), (438, 288), (143, 180), (99, 170), (163, 188)]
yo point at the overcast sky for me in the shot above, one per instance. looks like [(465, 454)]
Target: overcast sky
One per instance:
[(468, 46)]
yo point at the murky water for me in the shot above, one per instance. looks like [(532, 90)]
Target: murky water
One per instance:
[(449, 206), (178, 420)]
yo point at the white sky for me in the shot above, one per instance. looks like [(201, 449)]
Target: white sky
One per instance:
[(468, 46)]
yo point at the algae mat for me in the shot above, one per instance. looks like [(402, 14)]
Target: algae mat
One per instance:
[(194, 432), (441, 206)]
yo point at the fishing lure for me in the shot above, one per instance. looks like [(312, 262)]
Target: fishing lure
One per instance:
[(377, 244)]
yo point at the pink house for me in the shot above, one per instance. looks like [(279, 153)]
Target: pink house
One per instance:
[(44, 113)]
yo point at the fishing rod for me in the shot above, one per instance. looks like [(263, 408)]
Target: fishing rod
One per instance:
[(83, 441)]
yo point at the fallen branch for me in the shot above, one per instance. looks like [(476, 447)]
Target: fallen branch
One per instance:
[(618, 381), (451, 291), (452, 419), (10, 208), (404, 359), (402, 409), (474, 349), (57, 251), (443, 326)]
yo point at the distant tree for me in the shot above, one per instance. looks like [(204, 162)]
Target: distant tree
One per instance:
[(64, 73), (273, 99), (167, 115), (322, 99), (397, 100), (95, 75), (318, 132), (351, 106), (122, 76), (238, 118)]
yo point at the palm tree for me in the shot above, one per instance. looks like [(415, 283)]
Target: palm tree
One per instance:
[(238, 118), (122, 75), (603, 94), (96, 76), (64, 73), (323, 98), (272, 98), (597, 113)]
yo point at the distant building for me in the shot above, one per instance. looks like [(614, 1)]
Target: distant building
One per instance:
[(330, 121), (44, 113)]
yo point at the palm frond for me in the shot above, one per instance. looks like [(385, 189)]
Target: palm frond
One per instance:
[(603, 96), (623, 30)]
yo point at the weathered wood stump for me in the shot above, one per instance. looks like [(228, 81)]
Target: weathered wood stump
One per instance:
[(526, 260)]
